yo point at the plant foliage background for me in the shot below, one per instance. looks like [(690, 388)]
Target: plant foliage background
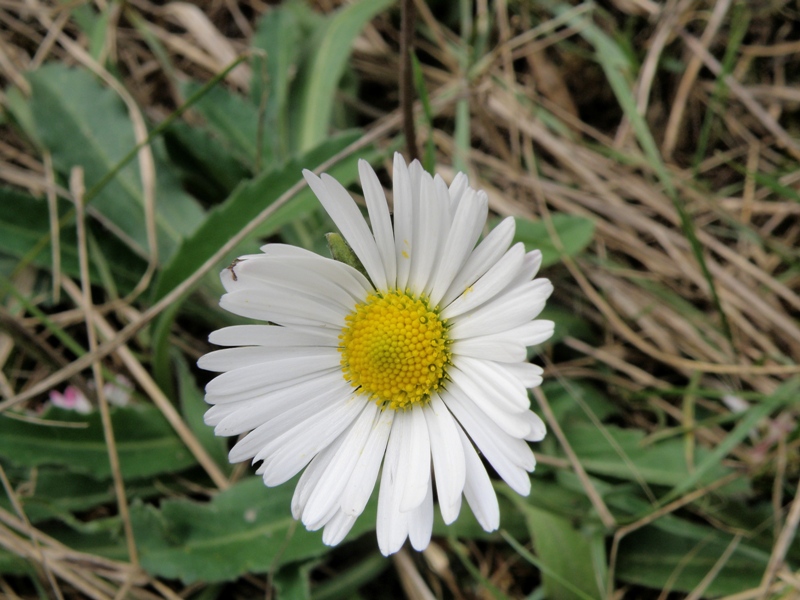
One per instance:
[(649, 149)]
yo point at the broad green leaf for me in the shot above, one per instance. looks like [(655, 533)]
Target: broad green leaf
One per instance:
[(193, 407), (663, 560), (623, 453), (571, 399), (574, 232), (25, 225), (278, 36), (330, 58), (146, 443), (206, 168), (292, 581), (247, 201), (84, 124), (233, 119), (55, 493), (248, 528), (564, 554)]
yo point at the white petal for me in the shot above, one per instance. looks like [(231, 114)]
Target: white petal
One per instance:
[(365, 473), (392, 525), (328, 491), (538, 428), (506, 419), (501, 450), (247, 356), (490, 283), (251, 378), (448, 458), (337, 528), (381, 221), (328, 279), (508, 392), (294, 255), (298, 446), (482, 258), (263, 439), (469, 219), (414, 468), (530, 266), (312, 474), (403, 219), (238, 417), (458, 187), (284, 307), (426, 232), (273, 336), (478, 489), (345, 214), (420, 522), (506, 311), (491, 347), (530, 375)]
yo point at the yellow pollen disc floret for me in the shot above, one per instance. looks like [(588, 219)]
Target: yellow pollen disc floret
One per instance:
[(394, 349)]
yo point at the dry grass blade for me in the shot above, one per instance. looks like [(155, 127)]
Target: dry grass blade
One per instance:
[(85, 301), (597, 501)]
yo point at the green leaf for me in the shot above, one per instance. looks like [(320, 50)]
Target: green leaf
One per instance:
[(340, 250), (193, 407), (146, 443), (330, 57), (84, 124), (623, 453), (574, 232), (570, 399), (292, 581), (564, 554), (25, 224), (248, 528), (664, 560), (207, 169), (232, 118), (247, 201), (57, 494), (279, 36)]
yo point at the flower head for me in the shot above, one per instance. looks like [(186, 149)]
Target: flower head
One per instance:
[(408, 371)]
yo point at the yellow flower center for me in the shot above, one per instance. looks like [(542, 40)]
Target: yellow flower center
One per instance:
[(394, 349)]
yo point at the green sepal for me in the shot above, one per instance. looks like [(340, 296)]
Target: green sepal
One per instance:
[(340, 250)]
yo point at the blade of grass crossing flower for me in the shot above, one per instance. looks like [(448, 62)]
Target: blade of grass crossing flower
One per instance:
[(618, 69), (327, 66)]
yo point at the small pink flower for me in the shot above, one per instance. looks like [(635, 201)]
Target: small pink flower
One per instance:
[(71, 399)]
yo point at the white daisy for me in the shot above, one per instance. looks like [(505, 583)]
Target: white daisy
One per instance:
[(409, 371)]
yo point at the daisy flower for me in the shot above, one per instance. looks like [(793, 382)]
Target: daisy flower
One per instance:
[(408, 367)]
